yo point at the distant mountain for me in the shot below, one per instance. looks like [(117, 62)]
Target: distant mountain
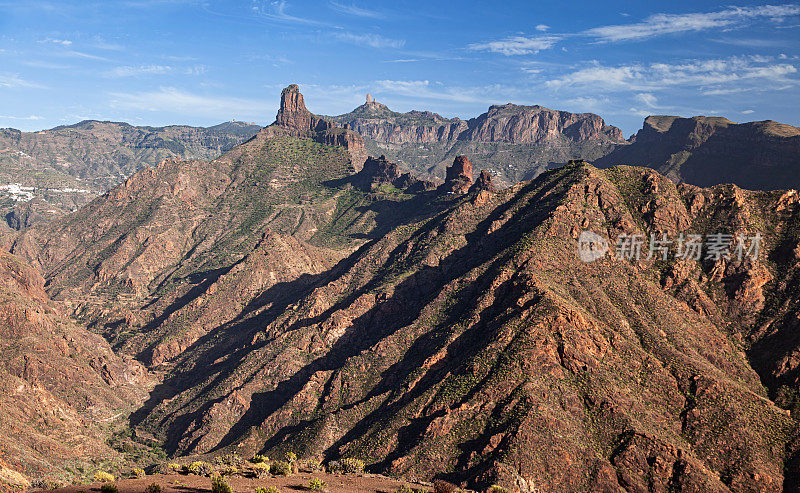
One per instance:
[(512, 142), (707, 151), (67, 166), (292, 303)]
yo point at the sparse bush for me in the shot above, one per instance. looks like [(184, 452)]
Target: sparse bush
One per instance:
[(200, 468), (138, 473), (312, 465), (258, 458), (334, 467), (152, 488), (232, 459), (280, 468), (103, 477), (230, 471), (352, 466), (271, 489), (261, 469), (498, 489), (109, 488), (219, 485), (317, 484), (290, 457), (175, 467), (408, 489)]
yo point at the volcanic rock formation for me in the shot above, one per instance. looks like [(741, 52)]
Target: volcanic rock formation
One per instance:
[(459, 176)]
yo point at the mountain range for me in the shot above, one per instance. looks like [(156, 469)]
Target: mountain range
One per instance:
[(296, 295)]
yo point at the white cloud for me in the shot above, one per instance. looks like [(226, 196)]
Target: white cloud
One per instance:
[(715, 74), (176, 100), (517, 45), (747, 112), (542, 27), (350, 9), (648, 99), (29, 117), (278, 10), (14, 80), (661, 24), (61, 42), (372, 40), (139, 70)]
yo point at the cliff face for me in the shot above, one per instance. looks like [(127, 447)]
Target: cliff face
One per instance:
[(517, 124), (705, 151), (513, 142)]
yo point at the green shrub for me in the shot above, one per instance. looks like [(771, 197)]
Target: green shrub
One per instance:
[(290, 457), (108, 488), (408, 489), (152, 488), (174, 466), (271, 489), (316, 484), (352, 466), (200, 468), (498, 489), (103, 477), (219, 485), (280, 468), (258, 458), (138, 473), (312, 465)]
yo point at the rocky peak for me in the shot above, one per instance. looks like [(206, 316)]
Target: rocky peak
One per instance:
[(483, 183), (293, 113), (380, 171), (459, 176)]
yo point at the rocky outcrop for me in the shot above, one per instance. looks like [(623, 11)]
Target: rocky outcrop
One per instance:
[(707, 151), (378, 172), (295, 120), (459, 176), (483, 183)]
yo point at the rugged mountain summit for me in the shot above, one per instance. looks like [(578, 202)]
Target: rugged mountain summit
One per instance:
[(295, 120), (511, 141), (710, 150)]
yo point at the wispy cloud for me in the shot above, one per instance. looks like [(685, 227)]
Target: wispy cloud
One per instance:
[(278, 11), (372, 40), (517, 45), (542, 27), (710, 74), (171, 99), (661, 24), (29, 117), (61, 42), (87, 56), (137, 71), (350, 9), (14, 80)]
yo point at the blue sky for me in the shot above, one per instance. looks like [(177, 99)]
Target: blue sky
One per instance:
[(201, 62)]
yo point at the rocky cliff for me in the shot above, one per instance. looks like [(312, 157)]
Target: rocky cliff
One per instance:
[(513, 142), (295, 120), (710, 150)]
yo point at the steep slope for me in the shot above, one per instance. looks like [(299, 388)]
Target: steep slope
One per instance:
[(513, 142), (62, 387), (707, 150), (472, 343), (69, 165)]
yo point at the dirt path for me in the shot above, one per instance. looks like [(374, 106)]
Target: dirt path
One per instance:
[(178, 483)]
